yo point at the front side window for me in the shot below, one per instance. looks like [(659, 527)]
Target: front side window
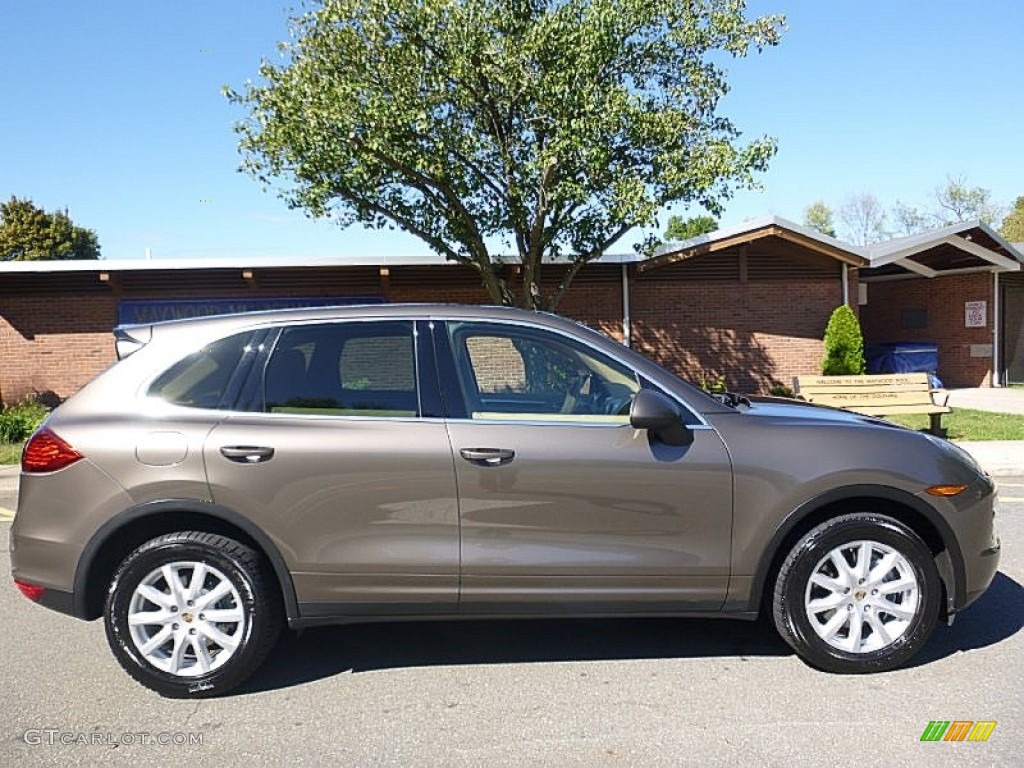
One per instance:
[(510, 372), (343, 369), (201, 379)]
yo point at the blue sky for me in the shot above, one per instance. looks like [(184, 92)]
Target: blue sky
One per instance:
[(113, 109)]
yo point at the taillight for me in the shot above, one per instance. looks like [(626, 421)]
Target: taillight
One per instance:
[(32, 591), (46, 452)]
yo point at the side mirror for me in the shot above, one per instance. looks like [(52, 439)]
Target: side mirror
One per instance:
[(660, 416)]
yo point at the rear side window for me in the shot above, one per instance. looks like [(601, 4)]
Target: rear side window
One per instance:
[(201, 379), (344, 369)]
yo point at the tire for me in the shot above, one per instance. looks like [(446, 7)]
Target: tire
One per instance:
[(854, 619), (183, 652)]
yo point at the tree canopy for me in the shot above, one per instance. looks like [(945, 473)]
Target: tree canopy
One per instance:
[(1013, 225), (683, 229), (544, 128), (28, 233), (818, 216)]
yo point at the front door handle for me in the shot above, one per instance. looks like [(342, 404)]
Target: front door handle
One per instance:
[(247, 454), (488, 457)]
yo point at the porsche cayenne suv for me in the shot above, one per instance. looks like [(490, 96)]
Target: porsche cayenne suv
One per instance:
[(233, 475)]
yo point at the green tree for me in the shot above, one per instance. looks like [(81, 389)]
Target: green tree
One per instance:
[(1013, 224), (956, 202), (28, 233), (684, 229), (844, 344), (548, 127), (818, 216)]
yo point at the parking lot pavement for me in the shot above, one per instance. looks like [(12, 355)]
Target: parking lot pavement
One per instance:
[(552, 693)]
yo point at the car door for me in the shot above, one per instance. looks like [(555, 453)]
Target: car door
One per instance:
[(341, 457), (563, 505)]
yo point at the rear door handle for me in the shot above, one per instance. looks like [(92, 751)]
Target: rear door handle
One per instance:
[(488, 457), (247, 454)]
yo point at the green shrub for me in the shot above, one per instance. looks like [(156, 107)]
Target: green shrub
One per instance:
[(781, 390), (709, 382), (844, 344), (20, 420)]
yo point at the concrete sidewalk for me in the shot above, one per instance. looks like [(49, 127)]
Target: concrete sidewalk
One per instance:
[(994, 399)]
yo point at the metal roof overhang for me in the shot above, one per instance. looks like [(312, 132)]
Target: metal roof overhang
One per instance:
[(960, 249)]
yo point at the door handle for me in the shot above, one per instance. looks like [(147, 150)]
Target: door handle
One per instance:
[(488, 457), (247, 454)]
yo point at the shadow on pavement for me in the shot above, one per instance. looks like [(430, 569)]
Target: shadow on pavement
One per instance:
[(323, 652), (997, 615), (327, 651)]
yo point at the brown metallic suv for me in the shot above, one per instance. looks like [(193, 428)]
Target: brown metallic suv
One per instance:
[(371, 463)]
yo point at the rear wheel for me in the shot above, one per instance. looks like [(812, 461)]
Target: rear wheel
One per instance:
[(191, 614), (858, 593)]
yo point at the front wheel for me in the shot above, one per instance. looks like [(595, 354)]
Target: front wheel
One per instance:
[(858, 593), (191, 615)]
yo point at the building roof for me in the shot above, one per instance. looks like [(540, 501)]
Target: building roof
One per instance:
[(260, 262), (969, 246), (750, 231)]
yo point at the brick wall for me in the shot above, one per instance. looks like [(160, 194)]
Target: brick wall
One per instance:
[(755, 335), (943, 298), (53, 343)]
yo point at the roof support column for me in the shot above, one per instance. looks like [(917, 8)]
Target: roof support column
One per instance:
[(627, 320)]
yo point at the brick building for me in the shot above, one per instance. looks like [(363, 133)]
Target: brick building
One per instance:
[(748, 304)]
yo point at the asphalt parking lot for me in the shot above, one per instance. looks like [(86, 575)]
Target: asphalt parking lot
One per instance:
[(551, 693)]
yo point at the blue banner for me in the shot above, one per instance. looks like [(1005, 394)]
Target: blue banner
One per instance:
[(144, 311)]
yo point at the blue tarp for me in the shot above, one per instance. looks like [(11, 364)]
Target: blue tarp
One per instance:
[(903, 357)]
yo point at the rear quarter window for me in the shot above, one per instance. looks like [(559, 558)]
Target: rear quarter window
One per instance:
[(201, 379)]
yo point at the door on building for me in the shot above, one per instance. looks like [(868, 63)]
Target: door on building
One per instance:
[(1012, 330)]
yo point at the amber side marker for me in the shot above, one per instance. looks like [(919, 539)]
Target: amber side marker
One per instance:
[(945, 490)]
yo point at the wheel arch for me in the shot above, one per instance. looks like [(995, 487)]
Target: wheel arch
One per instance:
[(908, 509), (136, 525)]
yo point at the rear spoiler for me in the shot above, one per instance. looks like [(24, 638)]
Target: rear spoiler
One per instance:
[(129, 339)]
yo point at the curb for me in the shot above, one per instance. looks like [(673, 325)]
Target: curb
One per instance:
[(1000, 458)]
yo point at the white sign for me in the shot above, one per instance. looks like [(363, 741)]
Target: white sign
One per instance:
[(975, 314)]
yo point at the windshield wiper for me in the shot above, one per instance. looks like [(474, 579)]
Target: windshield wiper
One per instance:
[(732, 399)]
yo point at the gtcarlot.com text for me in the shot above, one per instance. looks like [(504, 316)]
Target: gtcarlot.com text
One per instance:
[(51, 737)]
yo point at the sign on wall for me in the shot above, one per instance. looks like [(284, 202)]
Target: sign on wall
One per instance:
[(140, 311), (975, 314)]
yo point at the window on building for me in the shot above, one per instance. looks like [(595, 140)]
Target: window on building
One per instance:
[(913, 319)]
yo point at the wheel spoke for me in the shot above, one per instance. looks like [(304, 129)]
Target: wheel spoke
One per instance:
[(878, 627), (898, 611), (156, 640), (224, 641), (833, 625), (155, 596), (224, 615), (173, 579), (884, 566), (904, 584), (845, 574), (863, 560), (202, 652), (142, 618), (856, 632), (177, 653), (196, 582), (835, 600), (215, 594), (827, 582)]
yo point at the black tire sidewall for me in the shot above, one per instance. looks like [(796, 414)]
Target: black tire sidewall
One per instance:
[(790, 613), (231, 561)]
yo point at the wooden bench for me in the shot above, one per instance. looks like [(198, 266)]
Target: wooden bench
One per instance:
[(878, 395)]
